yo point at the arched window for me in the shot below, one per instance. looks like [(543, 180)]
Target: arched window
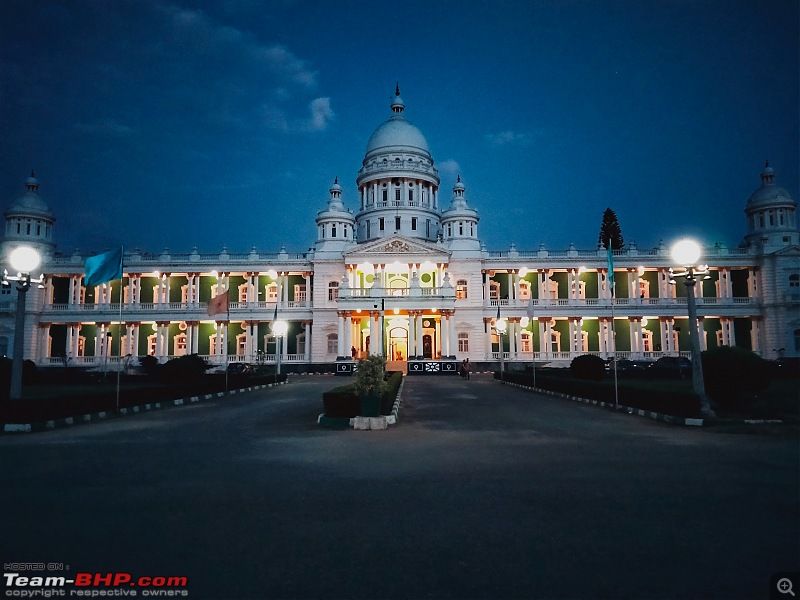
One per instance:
[(333, 291), (333, 343), (794, 281)]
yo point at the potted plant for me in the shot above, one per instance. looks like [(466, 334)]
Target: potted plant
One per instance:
[(370, 384)]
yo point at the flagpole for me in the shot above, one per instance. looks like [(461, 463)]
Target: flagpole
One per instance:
[(119, 326)]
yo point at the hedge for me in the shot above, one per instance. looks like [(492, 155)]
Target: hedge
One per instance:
[(82, 403), (342, 401), (665, 402)]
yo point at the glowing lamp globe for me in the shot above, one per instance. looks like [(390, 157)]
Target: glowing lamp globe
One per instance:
[(280, 328), (500, 325), (24, 259), (686, 252)]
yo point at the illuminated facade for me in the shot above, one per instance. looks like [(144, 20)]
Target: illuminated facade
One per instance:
[(407, 275)]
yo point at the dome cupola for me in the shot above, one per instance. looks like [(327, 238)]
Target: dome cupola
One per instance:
[(398, 184), (335, 224), (29, 218), (771, 214), (460, 222)]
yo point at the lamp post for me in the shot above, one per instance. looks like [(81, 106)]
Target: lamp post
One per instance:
[(500, 326), (686, 253), (279, 330), (23, 260)]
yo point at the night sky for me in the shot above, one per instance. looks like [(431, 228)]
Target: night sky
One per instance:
[(209, 123)]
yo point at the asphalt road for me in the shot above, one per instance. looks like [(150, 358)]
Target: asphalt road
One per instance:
[(480, 491)]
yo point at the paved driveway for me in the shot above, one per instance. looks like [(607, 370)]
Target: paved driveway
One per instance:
[(480, 491)]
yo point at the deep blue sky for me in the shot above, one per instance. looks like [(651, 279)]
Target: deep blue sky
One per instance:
[(211, 123)]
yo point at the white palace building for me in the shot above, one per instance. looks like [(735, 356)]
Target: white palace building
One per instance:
[(404, 272)]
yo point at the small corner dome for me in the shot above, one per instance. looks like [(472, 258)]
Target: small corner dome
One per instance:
[(768, 193), (30, 204)]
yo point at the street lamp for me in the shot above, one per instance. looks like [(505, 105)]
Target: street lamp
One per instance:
[(686, 253), (500, 326), (23, 260), (279, 329)]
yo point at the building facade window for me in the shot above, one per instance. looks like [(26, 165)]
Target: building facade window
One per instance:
[(380, 224), (333, 343), (461, 289), (333, 291), (463, 342), (794, 281), (413, 223), (397, 223)]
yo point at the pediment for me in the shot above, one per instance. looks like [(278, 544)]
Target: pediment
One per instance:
[(397, 248), (788, 251)]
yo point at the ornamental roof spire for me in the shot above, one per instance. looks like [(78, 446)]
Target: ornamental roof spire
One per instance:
[(398, 106)]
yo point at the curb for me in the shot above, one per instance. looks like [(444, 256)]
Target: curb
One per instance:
[(127, 411), (365, 423), (671, 419)]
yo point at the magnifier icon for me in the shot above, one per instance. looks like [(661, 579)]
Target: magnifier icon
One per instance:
[(784, 586)]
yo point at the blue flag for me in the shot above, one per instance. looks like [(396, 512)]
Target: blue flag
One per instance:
[(610, 268), (103, 267)]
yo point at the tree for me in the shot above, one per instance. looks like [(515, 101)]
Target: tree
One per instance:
[(610, 230)]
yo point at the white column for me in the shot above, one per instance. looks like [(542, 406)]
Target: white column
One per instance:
[(307, 278), (445, 332), (673, 347), (752, 283), (486, 289), (70, 341), (167, 284), (419, 334), (348, 334), (373, 333), (412, 330), (452, 330), (340, 334), (71, 297), (665, 341), (195, 337), (548, 338), (487, 337), (701, 332), (510, 284), (755, 335)]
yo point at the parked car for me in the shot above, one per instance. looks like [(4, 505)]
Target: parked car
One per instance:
[(627, 367), (671, 366), (239, 368)]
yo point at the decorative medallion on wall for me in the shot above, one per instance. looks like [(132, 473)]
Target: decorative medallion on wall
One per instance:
[(396, 246)]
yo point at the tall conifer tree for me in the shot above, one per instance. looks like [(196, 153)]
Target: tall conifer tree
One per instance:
[(610, 230)]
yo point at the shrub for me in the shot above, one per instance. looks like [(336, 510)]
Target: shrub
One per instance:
[(149, 364), (588, 366), (734, 375), (191, 365), (370, 376)]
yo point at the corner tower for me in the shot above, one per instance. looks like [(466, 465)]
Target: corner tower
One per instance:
[(398, 184), (771, 215), (29, 221)]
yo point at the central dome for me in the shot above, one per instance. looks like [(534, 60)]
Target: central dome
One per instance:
[(397, 133)]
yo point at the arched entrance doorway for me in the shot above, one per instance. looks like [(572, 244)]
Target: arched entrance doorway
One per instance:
[(398, 343)]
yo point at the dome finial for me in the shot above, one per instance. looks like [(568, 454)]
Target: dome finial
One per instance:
[(397, 89), (336, 179), (458, 180)]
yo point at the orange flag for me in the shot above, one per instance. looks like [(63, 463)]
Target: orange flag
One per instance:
[(218, 304)]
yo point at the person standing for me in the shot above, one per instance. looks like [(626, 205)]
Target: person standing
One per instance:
[(467, 368)]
